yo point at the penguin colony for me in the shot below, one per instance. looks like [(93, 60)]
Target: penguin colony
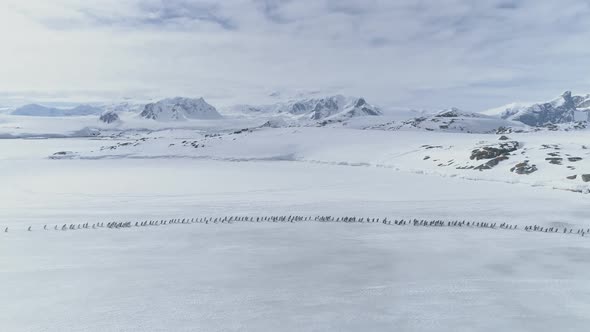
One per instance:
[(325, 219)]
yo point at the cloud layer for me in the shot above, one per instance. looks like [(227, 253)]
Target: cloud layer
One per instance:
[(417, 53)]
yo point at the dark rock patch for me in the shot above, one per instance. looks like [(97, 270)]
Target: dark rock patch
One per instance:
[(109, 117), (494, 151), (554, 161), (524, 168), (491, 163), (428, 147)]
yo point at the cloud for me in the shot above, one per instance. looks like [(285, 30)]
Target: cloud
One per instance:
[(471, 54)]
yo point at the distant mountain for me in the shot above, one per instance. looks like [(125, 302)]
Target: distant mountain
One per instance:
[(40, 110), (126, 106), (452, 120), (312, 110), (180, 109), (356, 108), (564, 109)]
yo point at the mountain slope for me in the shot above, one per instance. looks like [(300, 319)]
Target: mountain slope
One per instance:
[(313, 110), (564, 109)]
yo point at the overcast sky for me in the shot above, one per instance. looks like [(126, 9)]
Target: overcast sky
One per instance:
[(472, 54)]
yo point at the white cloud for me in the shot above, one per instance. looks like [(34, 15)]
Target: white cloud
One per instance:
[(419, 53)]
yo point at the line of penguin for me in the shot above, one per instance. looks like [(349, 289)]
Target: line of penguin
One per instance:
[(293, 219)]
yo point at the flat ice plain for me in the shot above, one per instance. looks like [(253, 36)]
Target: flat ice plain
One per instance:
[(306, 276)]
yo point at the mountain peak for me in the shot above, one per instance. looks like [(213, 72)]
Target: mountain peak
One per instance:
[(360, 102)]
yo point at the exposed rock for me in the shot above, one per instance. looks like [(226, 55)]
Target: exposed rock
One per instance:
[(574, 159), (503, 138), (572, 177), (495, 150), (524, 168), (555, 161), (109, 117), (63, 155), (491, 163), (586, 177)]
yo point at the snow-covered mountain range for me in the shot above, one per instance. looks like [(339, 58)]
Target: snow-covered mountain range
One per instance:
[(193, 128), (564, 109), (306, 110), (567, 112)]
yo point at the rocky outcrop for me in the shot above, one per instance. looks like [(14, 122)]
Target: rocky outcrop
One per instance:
[(554, 160), (524, 168), (495, 150), (109, 117), (491, 163), (586, 177)]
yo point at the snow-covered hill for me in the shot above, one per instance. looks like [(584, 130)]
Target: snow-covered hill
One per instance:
[(452, 120), (551, 159), (180, 109), (40, 110)]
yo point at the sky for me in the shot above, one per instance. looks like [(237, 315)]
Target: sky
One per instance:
[(426, 54)]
